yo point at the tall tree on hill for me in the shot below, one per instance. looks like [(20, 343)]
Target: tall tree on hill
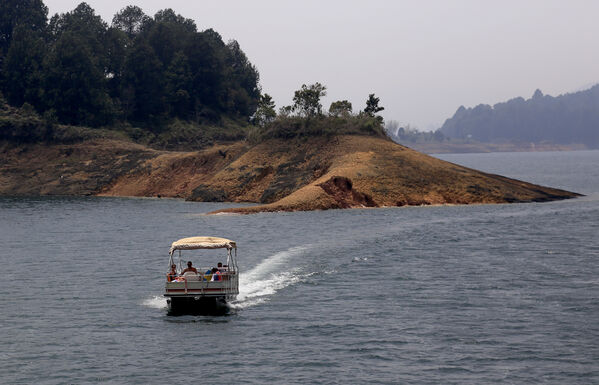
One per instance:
[(22, 68), (306, 101), (207, 60), (117, 43), (143, 94), (130, 20), (168, 34), (265, 113), (178, 82), (89, 27), (242, 82), (372, 106), (74, 85), (340, 108), (30, 14)]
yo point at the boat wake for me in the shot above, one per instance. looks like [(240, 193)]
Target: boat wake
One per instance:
[(156, 302), (268, 277)]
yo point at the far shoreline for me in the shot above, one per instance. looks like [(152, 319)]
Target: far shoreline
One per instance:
[(485, 148)]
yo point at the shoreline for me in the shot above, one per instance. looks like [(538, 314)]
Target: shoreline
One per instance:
[(303, 174), (484, 148)]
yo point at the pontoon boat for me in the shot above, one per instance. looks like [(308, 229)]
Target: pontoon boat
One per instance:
[(210, 289)]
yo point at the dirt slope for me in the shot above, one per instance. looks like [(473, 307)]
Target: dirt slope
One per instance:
[(353, 171), (299, 174)]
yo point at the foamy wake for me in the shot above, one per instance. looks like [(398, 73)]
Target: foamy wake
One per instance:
[(268, 277), (156, 302)]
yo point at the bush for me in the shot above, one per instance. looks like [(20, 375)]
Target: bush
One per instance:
[(286, 127), (180, 135)]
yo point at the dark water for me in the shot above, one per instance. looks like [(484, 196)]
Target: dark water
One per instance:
[(502, 294)]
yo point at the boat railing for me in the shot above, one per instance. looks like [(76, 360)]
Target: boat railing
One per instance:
[(227, 281), (222, 276)]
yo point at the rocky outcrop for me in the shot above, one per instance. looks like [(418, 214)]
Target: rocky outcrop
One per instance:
[(341, 190)]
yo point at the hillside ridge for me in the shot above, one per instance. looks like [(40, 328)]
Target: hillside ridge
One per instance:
[(569, 119), (280, 174)]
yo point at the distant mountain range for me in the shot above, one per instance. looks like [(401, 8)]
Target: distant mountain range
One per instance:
[(566, 119)]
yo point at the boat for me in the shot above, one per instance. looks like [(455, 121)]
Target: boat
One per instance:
[(211, 289)]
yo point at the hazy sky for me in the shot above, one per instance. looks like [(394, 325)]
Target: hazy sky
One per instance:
[(422, 58)]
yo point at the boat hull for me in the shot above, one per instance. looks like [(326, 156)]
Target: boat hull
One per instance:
[(195, 296), (197, 305)]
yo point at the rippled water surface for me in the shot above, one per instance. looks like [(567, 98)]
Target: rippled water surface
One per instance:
[(425, 295)]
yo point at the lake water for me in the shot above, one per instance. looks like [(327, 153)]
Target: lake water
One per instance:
[(501, 294)]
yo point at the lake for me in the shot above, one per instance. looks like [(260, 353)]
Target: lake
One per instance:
[(479, 294)]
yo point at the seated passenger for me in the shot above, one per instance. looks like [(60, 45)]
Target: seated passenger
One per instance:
[(189, 268), (224, 270), (172, 275), (215, 274), (208, 275)]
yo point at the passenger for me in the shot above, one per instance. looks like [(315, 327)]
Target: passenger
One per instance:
[(208, 275), (172, 275), (224, 270), (189, 268), (215, 274)]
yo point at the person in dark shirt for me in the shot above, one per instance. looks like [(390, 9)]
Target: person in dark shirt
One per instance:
[(189, 268)]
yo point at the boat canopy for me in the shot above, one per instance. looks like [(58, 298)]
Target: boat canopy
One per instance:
[(193, 243)]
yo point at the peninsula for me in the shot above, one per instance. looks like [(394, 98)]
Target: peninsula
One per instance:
[(314, 173)]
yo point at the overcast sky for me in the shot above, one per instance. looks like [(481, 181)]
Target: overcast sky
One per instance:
[(422, 58)]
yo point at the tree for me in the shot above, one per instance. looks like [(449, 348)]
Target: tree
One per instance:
[(22, 68), (83, 22), (116, 47), (207, 61), (168, 34), (89, 29), (178, 81), (143, 91), (340, 108), (74, 86), (285, 111), (242, 82), (372, 105), (130, 20), (265, 113), (306, 101), (31, 14)]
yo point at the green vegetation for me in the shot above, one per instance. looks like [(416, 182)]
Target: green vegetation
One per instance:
[(340, 108), (25, 125), (155, 80), (372, 105), (147, 72), (305, 118)]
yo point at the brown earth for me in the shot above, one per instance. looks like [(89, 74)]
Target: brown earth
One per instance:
[(283, 175)]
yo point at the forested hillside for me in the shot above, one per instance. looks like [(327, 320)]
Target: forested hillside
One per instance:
[(565, 119), (76, 69)]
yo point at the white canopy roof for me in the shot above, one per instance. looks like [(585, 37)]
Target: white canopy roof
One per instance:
[(193, 243)]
